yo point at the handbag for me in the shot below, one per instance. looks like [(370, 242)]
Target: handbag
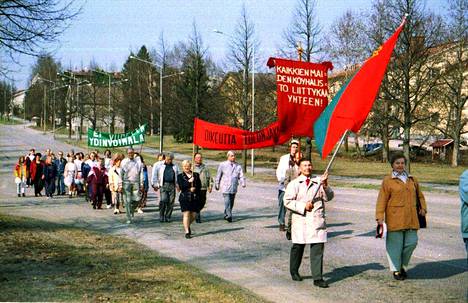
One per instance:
[(421, 219)]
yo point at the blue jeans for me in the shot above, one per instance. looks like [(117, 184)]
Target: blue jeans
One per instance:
[(281, 208), (228, 204), (60, 184)]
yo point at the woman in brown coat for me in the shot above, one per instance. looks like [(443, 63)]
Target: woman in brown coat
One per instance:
[(396, 205)]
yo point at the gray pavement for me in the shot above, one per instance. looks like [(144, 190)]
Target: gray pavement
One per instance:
[(251, 252)]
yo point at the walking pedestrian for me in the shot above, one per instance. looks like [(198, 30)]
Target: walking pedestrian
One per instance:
[(21, 176), (37, 174), (285, 163), (165, 180), (70, 175), (115, 183), (132, 183), (29, 159), (144, 194), (108, 165), (228, 177), (98, 181), (50, 173), (60, 163), (464, 208), (291, 174), (79, 181), (396, 202), (308, 220), (206, 182), (189, 186)]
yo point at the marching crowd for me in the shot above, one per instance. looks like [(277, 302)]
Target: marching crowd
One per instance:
[(123, 181)]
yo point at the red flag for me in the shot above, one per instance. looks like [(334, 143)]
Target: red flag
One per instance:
[(351, 105), (302, 91)]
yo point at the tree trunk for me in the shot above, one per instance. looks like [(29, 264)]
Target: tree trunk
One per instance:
[(346, 146), (356, 144), (406, 145), (385, 147), (308, 151)]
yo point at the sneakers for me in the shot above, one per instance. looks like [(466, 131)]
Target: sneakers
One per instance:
[(139, 210), (116, 212), (108, 206)]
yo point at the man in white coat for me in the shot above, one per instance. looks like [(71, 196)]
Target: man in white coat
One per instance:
[(308, 220)]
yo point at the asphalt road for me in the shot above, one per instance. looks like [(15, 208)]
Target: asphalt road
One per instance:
[(251, 252)]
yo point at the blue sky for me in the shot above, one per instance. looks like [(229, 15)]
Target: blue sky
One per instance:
[(107, 30)]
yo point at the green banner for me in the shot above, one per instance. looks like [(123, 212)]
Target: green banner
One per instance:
[(98, 139)]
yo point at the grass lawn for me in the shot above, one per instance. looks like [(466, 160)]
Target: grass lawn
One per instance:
[(42, 261), (3, 120), (345, 164)]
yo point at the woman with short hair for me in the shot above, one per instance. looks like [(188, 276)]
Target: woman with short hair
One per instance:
[(21, 176), (189, 185), (397, 205)]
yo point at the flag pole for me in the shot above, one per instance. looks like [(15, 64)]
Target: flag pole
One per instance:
[(331, 162)]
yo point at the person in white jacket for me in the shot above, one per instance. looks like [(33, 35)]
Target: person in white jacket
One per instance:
[(308, 220), (285, 162)]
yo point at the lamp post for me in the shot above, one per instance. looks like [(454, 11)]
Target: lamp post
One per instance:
[(161, 77), (45, 103), (252, 161)]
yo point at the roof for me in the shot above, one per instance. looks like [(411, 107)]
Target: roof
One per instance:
[(442, 143)]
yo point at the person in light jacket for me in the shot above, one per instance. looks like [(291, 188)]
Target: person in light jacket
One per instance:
[(285, 163), (206, 182), (165, 179), (396, 205), (308, 220), (132, 183), (227, 180)]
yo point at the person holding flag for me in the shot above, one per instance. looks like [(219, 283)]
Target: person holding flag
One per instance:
[(305, 196)]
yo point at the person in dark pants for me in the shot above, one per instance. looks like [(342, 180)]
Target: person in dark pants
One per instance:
[(60, 163), (190, 186), (308, 220), (165, 180), (37, 174), (206, 182), (50, 173), (98, 181)]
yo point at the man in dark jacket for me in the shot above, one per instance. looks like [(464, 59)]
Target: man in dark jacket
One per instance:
[(50, 172), (60, 163)]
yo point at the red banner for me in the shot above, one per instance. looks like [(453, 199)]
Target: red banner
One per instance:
[(302, 91), (215, 136)]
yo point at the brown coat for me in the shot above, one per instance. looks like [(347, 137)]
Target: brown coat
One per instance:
[(397, 203)]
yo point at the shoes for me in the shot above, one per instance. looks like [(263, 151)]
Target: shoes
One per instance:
[(24, 195), (282, 227), (139, 210), (321, 283), (168, 220), (116, 212), (296, 277), (35, 195), (288, 235), (187, 236), (403, 273), (108, 206), (94, 206), (398, 276), (19, 195), (40, 195), (229, 219)]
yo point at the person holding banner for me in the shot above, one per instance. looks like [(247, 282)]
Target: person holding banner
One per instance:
[(229, 176), (132, 183), (308, 220), (285, 163), (206, 182), (165, 179), (397, 204)]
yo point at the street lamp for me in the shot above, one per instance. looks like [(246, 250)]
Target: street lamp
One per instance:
[(253, 93), (39, 78), (160, 97), (109, 94)]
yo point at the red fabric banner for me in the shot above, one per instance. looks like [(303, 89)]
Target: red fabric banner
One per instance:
[(222, 137), (302, 91)]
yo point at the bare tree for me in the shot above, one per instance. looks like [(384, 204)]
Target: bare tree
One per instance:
[(305, 32), (27, 26), (241, 56), (452, 93), (411, 80)]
